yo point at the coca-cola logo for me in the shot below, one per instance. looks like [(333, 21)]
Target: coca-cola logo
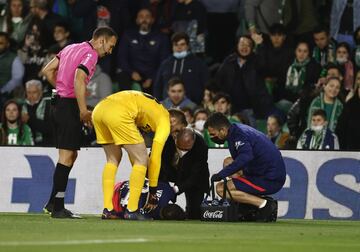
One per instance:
[(213, 215)]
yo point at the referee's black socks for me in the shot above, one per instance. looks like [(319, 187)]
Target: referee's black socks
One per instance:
[(60, 180)]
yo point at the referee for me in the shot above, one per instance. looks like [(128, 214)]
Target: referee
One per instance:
[(69, 72)]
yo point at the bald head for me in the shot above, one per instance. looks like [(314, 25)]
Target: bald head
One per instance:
[(185, 139)]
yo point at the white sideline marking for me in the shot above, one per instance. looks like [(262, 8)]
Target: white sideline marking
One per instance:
[(72, 242)]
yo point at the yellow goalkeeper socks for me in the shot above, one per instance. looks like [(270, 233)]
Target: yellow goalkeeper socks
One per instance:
[(108, 180), (136, 183)]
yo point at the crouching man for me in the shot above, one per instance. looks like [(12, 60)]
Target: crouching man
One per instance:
[(256, 166)]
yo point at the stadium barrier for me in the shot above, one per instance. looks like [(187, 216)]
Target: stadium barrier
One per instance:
[(319, 184)]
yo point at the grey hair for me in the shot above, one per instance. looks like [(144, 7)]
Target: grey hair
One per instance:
[(36, 83)]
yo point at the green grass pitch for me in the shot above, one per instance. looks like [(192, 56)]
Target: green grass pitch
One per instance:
[(38, 232)]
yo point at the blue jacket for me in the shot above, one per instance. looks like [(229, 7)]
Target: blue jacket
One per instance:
[(254, 154), (142, 53), (191, 69)]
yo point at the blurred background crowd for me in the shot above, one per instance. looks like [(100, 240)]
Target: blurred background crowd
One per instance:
[(290, 68)]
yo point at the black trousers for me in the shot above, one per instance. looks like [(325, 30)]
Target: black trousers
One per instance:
[(194, 198)]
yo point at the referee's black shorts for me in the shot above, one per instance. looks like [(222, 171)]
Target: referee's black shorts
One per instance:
[(67, 124)]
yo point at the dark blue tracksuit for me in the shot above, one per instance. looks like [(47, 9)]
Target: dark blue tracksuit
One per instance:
[(258, 158)]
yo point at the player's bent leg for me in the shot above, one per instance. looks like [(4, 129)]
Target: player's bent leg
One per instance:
[(113, 156), (138, 154)]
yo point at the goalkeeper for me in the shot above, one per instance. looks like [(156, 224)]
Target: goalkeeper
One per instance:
[(117, 120)]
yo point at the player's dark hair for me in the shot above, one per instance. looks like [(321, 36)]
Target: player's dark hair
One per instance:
[(217, 121), (319, 112), (179, 115), (104, 31), (172, 212)]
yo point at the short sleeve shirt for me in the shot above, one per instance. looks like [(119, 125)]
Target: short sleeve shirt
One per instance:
[(81, 55)]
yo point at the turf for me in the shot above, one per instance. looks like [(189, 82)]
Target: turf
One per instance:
[(38, 232)]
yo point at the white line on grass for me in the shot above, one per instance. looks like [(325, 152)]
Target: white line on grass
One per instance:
[(72, 242)]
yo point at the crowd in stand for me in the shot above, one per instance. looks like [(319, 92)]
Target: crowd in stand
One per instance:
[(289, 68)]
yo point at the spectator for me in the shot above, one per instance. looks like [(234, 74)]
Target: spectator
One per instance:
[(329, 102), (222, 104), (45, 19), (349, 122), (357, 48), (200, 115), (32, 54), (325, 47), (275, 56), (297, 115), (220, 15), (189, 115), (301, 17), (318, 136), (301, 76), (16, 132), (207, 101), (11, 69), (86, 11), (184, 162), (190, 17), (239, 76), (344, 20), (274, 131), (260, 15), (61, 36), (343, 59), (176, 96), (162, 12), (141, 52), (99, 87), (331, 70), (36, 113), (190, 68), (356, 85), (16, 20)]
